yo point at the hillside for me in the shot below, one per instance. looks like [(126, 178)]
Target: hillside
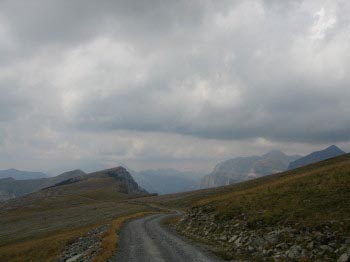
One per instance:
[(11, 188), (329, 152), (298, 214), (167, 181), (20, 175), (244, 168), (36, 227)]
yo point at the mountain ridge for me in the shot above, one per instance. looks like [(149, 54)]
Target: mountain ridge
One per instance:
[(11, 188), (21, 174), (317, 156)]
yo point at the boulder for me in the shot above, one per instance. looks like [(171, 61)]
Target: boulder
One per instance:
[(343, 258)]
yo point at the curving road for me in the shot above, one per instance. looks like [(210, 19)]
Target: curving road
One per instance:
[(146, 240)]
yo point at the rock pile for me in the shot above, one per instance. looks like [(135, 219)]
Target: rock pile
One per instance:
[(85, 248), (279, 243)]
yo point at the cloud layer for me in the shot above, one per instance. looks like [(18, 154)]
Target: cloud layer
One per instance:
[(184, 83)]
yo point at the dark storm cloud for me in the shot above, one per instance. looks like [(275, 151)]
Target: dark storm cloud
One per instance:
[(277, 101), (40, 22), (77, 71), (292, 115)]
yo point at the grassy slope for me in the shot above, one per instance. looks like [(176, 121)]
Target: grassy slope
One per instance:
[(38, 226), (312, 195)]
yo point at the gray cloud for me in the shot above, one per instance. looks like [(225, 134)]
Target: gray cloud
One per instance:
[(82, 72)]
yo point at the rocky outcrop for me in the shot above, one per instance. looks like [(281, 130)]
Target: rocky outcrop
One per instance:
[(68, 181), (237, 239), (127, 185), (85, 248)]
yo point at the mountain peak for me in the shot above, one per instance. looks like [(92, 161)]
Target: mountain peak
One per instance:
[(334, 148), (329, 152), (274, 153), (121, 174), (116, 171)]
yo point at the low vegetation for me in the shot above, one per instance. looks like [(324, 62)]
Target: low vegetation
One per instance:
[(308, 196), (45, 248)]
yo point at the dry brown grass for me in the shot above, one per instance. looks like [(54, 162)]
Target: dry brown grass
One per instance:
[(43, 249), (111, 237)]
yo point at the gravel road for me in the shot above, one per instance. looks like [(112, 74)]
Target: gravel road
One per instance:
[(146, 240)]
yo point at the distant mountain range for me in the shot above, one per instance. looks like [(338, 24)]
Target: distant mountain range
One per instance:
[(329, 152), (245, 168), (14, 183), (160, 181), (11, 187), (21, 175), (167, 181)]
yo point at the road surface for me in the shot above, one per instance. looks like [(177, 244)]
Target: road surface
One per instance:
[(146, 240)]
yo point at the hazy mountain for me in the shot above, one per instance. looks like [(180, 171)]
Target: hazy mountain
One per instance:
[(244, 168), (329, 152), (10, 187), (167, 181), (21, 175)]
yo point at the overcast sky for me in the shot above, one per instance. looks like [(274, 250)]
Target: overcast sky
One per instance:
[(93, 84)]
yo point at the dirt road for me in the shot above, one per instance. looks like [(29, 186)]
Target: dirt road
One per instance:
[(146, 240)]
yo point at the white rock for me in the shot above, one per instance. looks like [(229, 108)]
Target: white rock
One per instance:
[(343, 258), (233, 239)]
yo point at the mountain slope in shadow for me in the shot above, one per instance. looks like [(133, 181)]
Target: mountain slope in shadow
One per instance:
[(329, 152)]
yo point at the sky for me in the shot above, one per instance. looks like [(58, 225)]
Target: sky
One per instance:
[(184, 84)]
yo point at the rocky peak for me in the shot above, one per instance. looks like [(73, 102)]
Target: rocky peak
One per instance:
[(334, 148), (121, 174)]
